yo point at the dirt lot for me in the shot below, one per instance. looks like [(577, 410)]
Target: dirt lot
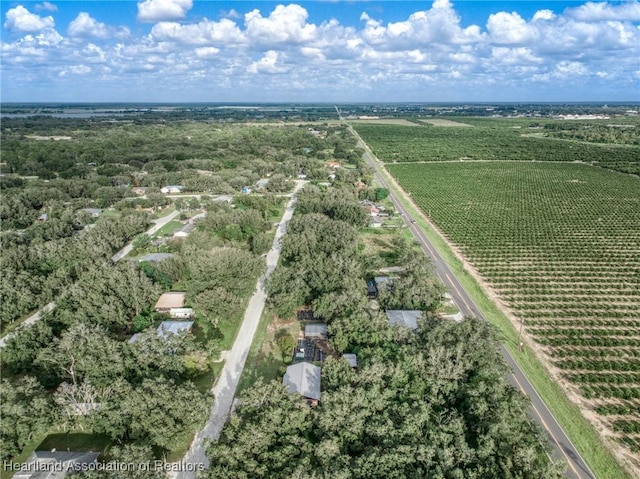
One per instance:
[(442, 122)]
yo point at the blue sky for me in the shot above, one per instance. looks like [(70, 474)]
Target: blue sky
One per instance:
[(322, 51)]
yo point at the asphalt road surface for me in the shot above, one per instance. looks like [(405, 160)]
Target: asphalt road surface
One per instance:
[(562, 446), (225, 387)]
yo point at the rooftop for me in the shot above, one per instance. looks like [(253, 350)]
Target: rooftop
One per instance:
[(173, 327), (304, 379), (352, 359), (154, 257), (315, 330), (401, 317), (170, 300)]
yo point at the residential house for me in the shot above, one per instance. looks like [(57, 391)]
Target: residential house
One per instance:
[(181, 313), (406, 318), (154, 257), (55, 464), (172, 189), (262, 183), (304, 379), (172, 299), (173, 327), (185, 230), (332, 164), (43, 217), (139, 190), (223, 199)]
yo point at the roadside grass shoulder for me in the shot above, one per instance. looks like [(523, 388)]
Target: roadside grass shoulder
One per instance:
[(168, 229), (260, 363)]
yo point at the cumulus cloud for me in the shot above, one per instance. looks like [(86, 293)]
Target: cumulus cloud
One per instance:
[(49, 7), (253, 49), (267, 64), (19, 19), (598, 12), (438, 25), (205, 32), (286, 24), (509, 28), (86, 26), (151, 11)]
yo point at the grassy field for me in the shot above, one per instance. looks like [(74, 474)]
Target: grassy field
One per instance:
[(561, 245)]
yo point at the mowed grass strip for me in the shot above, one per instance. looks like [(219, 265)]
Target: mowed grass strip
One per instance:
[(581, 432)]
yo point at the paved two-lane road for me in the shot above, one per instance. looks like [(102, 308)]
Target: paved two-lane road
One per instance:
[(562, 446)]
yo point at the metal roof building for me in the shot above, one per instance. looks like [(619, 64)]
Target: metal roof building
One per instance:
[(315, 331), (172, 299), (408, 318), (173, 327), (304, 379)]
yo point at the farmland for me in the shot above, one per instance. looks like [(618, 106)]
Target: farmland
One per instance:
[(611, 144), (560, 244)]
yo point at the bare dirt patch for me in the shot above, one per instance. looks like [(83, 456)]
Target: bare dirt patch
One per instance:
[(43, 138), (446, 123), (385, 121)]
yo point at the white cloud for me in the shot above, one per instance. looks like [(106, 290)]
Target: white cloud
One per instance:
[(267, 64), (49, 7), (509, 28), (206, 52), (205, 32), (151, 11), (283, 51), (286, 24), (86, 26), (19, 19), (544, 15), (597, 12), (440, 24)]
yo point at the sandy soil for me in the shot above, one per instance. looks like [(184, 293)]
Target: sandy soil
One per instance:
[(446, 123)]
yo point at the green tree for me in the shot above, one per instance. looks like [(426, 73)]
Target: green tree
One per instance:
[(25, 412)]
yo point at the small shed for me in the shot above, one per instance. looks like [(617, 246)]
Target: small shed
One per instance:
[(315, 331), (352, 359), (304, 379), (406, 318), (173, 327), (173, 299), (181, 313), (382, 280)]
